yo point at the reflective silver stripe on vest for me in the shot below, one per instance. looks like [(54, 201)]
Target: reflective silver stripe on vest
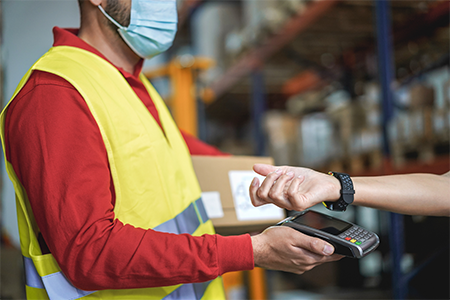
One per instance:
[(202, 210), (56, 284), (187, 221), (32, 277), (59, 288), (191, 291)]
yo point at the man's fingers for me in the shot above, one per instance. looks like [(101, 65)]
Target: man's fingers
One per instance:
[(314, 245)]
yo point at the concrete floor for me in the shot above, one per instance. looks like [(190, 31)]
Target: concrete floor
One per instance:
[(331, 295)]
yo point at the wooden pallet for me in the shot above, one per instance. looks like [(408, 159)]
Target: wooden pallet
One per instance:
[(368, 161), (424, 151)]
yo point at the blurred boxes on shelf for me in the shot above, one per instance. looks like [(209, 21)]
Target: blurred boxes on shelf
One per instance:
[(420, 129), (307, 140), (281, 130), (331, 130), (225, 183), (416, 133), (316, 143), (413, 126), (421, 95), (319, 139)]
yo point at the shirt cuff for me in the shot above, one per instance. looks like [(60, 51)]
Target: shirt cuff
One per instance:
[(235, 253)]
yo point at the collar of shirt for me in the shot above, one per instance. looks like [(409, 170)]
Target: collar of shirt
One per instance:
[(69, 37)]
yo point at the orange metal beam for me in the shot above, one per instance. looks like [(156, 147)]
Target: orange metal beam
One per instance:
[(305, 81), (184, 106), (183, 102), (257, 284)]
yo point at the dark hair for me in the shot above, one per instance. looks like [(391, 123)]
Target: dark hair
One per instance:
[(118, 12)]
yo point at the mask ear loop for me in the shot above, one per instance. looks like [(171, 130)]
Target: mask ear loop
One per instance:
[(120, 29), (110, 18)]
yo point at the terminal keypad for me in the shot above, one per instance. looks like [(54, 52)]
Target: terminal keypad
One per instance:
[(356, 235)]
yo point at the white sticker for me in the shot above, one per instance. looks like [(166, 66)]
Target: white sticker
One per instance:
[(245, 211), (213, 205)]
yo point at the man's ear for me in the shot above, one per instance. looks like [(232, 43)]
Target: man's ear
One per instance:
[(98, 2)]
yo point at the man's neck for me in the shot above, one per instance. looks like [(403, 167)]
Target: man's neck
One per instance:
[(109, 43)]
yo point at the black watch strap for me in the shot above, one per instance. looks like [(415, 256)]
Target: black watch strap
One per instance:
[(347, 193)]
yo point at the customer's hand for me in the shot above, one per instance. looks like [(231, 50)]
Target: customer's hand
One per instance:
[(293, 188), (285, 249)]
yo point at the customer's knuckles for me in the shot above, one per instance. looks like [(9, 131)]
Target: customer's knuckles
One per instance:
[(274, 195)]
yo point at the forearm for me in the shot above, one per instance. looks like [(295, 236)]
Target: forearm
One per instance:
[(413, 194), (128, 257)]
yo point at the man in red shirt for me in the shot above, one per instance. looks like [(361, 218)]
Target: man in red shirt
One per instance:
[(56, 149)]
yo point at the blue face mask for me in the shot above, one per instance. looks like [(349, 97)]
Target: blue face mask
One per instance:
[(152, 28)]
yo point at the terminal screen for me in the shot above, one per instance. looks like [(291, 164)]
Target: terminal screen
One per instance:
[(322, 222)]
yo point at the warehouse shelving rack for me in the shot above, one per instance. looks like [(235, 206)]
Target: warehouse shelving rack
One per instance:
[(251, 65)]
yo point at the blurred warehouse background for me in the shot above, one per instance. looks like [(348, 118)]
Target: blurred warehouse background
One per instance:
[(359, 86)]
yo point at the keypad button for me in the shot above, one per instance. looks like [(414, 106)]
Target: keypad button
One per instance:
[(352, 240)]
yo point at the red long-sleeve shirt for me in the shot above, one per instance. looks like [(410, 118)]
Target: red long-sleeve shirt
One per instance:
[(57, 152)]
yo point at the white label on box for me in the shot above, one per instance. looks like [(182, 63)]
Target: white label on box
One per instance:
[(213, 205), (245, 211)]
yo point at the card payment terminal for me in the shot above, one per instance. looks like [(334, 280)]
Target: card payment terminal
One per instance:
[(348, 239)]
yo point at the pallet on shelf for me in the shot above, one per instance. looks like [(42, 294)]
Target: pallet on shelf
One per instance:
[(367, 161), (420, 134)]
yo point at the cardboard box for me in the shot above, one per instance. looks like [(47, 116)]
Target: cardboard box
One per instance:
[(421, 95), (229, 178)]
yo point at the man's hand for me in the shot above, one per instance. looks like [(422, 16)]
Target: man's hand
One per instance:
[(293, 188), (286, 249)]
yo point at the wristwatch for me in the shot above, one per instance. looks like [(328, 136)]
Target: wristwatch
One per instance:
[(347, 193)]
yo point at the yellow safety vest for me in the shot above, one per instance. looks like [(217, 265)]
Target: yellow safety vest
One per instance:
[(145, 164)]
